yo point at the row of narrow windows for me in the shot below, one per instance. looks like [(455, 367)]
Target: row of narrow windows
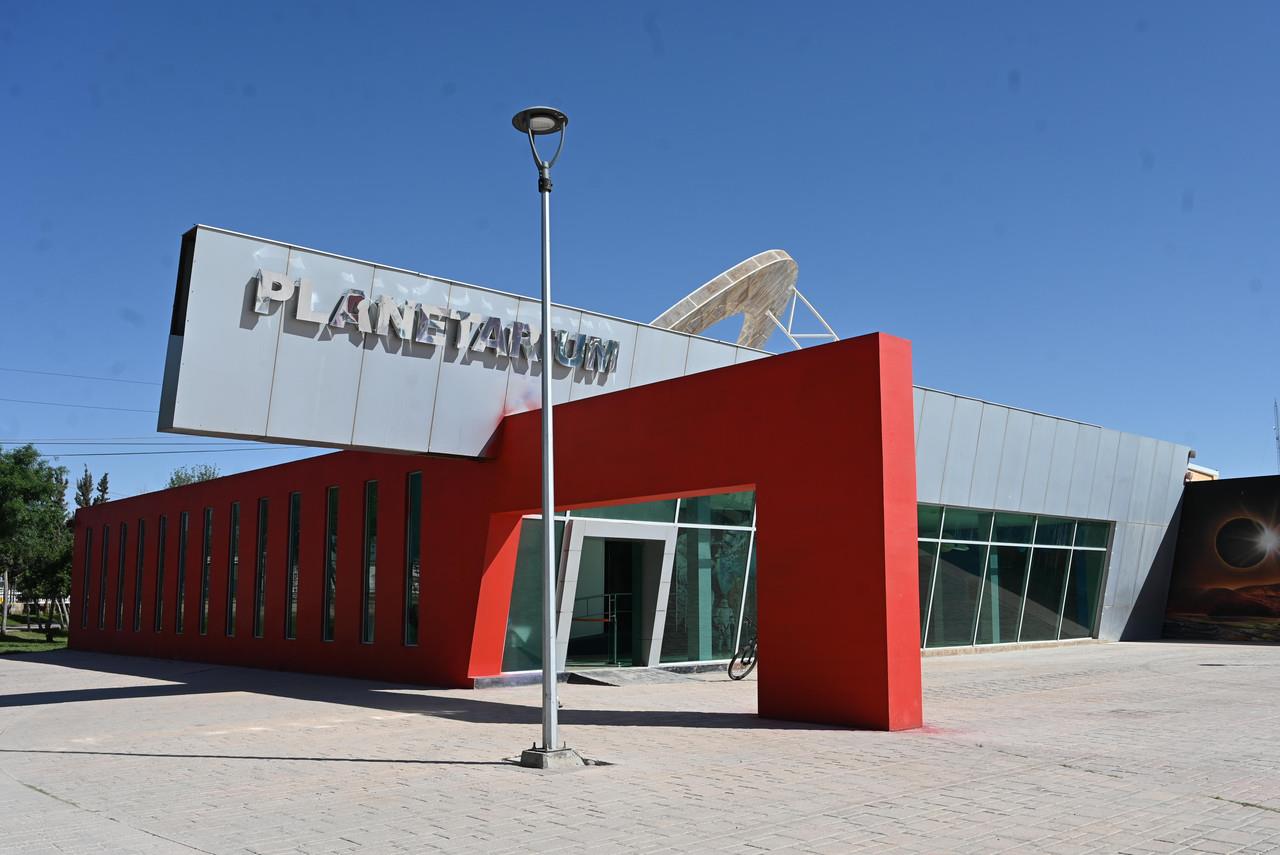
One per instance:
[(328, 617)]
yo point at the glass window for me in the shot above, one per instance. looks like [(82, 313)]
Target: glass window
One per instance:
[(233, 568), (330, 613), (964, 524), (1092, 534), (705, 597), (643, 512), (291, 567), (179, 608), (523, 649), (369, 586), (1013, 528), (260, 572), (413, 556), (88, 577), (1043, 606), (137, 576), (929, 520), (102, 581), (1054, 531), (1084, 588), (955, 593), (161, 540), (720, 509), (928, 558), (124, 539), (206, 565), (1001, 603)]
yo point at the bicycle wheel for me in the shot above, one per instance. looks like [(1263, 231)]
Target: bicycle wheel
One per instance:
[(744, 661)]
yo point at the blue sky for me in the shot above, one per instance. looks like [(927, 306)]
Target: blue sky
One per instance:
[(1072, 208)]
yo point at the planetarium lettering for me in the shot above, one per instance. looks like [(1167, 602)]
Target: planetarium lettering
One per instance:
[(434, 325)]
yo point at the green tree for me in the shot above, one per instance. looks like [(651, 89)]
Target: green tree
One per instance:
[(192, 474), (102, 490), (35, 539), (84, 489)]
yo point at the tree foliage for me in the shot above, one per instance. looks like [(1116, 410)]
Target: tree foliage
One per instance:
[(35, 538), (84, 489), (192, 474)]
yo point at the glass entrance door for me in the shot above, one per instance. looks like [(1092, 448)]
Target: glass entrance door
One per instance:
[(610, 587)]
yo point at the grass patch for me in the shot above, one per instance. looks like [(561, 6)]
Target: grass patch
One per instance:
[(21, 641)]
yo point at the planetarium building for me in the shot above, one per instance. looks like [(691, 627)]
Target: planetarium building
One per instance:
[(820, 499)]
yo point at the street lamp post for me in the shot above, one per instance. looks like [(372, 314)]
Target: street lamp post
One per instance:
[(535, 122)]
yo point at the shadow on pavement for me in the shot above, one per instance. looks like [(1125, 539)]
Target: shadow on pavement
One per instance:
[(259, 757), (196, 678)]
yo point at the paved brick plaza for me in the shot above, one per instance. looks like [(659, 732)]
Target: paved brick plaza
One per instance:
[(1108, 748)]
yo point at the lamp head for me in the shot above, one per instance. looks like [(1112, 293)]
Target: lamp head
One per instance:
[(539, 121)]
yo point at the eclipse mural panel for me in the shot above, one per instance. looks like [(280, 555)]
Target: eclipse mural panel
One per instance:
[(1225, 584)]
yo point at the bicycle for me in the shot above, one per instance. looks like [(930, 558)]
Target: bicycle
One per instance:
[(744, 661)]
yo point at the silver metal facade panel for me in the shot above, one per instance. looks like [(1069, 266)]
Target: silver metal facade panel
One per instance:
[(1116, 570), (1117, 598), (1135, 565), (917, 401), (317, 367), (1013, 461), (1086, 460), (986, 464), (287, 375), (1035, 482), (1104, 475), (1061, 463), (1142, 476), (524, 385), (705, 355), (1122, 490), (221, 325), (1175, 475), (962, 450), (588, 384), (1039, 464), (1160, 483), (472, 389), (397, 388), (659, 356), (931, 445)]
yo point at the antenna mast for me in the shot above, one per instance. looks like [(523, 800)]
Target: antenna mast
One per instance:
[(1275, 411)]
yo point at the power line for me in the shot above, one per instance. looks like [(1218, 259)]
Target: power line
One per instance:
[(81, 376), (79, 406), (110, 442), (93, 438), (271, 447)]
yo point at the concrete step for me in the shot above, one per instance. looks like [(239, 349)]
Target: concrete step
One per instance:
[(626, 676)]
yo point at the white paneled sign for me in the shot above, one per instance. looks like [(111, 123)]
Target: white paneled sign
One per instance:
[(284, 344)]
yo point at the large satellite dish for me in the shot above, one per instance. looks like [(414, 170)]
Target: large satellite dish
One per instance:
[(759, 290)]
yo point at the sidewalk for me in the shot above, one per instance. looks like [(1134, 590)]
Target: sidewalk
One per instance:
[(1138, 748)]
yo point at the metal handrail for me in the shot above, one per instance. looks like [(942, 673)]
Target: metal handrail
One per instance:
[(608, 616)]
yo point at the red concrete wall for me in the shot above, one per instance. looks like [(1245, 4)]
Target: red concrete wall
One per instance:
[(824, 436)]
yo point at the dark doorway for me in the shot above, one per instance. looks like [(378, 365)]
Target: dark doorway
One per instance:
[(605, 630)]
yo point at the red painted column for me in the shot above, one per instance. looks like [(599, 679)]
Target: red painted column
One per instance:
[(836, 568), (825, 437)]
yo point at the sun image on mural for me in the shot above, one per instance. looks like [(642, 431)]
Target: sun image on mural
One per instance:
[(1226, 576)]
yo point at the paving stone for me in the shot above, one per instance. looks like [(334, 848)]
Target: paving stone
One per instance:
[(1130, 748)]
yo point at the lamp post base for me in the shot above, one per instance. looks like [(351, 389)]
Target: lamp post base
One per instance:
[(555, 758)]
